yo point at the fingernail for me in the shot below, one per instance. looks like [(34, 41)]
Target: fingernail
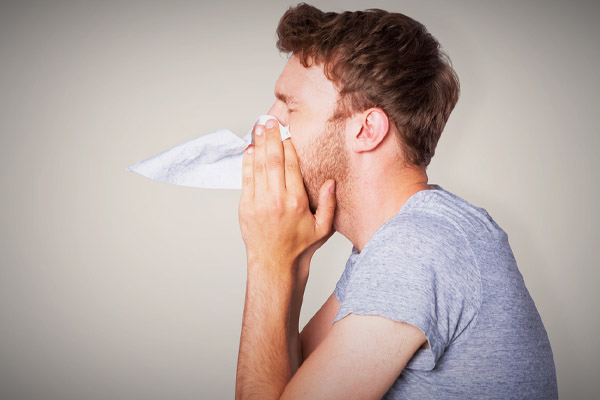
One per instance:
[(332, 188), (271, 124), (259, 130), (250, 149)]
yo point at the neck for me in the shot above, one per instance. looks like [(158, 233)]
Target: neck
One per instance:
[(374, 199)]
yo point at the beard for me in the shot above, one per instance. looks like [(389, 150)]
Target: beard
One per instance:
[(326, 158)]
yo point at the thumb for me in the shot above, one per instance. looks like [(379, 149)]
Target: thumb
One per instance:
[(325, 208)]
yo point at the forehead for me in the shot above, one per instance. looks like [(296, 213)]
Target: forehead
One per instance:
[(307, 86)]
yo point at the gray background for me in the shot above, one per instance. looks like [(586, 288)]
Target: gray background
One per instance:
[(113, 286)]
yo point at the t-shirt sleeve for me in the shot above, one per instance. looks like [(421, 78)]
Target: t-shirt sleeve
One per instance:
[(340, 287), (417, 271)]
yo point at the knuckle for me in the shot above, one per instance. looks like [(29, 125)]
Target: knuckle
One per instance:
[(290, 166), (298, 204), (247, 180), (243, 212), (293, 203), (276, 205), (259, 167), (261, 211), (274, 161)]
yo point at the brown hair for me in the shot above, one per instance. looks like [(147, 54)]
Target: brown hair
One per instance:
[(378, 59)]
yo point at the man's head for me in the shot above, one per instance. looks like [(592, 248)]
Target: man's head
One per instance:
[(380, 66)]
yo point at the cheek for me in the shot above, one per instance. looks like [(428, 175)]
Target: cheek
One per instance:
[(303, 153), (304, 131), (300, 131), (298, 136), (298, 146)]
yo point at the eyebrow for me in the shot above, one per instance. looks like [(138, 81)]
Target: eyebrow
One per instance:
[(289, 100)]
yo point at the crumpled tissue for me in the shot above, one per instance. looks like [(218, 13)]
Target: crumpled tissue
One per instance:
[(212, 161)]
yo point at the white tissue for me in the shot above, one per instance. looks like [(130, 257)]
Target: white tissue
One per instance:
[(212, 161)]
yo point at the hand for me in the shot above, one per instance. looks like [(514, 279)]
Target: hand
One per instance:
[(306, 256), (275, 218)]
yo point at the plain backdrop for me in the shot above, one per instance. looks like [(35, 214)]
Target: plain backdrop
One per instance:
[(113, 286)]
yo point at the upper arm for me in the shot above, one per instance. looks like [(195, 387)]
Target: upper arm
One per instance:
[(319, 325), (360, 357)]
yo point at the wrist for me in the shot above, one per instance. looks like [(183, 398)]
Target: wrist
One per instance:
[(270, 262), (303, 264)]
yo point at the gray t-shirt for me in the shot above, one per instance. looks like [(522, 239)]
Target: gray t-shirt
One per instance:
[(444, 266)]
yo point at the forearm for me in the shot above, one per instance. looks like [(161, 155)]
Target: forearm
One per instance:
[(301, 278), (264, 361)]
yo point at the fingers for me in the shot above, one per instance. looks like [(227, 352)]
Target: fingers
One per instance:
[(248, 173), (268, 161), (293, 176), (260, 172), (274, 160)]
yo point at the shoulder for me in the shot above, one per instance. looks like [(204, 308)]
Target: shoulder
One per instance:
[(435, 228), (416, 238), (420, 251), (427, 248)]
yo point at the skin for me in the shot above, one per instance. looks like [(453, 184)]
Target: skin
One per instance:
[(305, 102), (354, 157), (287, 211)]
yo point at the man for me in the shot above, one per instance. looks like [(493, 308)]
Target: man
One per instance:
[(431, 303)]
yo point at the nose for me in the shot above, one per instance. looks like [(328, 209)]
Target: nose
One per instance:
[(278, 111)]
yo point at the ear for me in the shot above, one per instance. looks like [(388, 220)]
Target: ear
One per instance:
[(374, 126)]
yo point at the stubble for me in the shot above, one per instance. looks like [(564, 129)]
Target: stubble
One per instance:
[(326, 158)]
